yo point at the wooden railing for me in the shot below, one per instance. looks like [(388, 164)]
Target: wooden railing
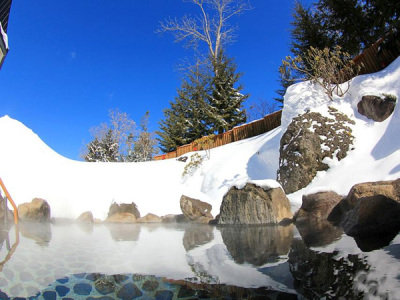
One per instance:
[(8, 196), (238, 133)]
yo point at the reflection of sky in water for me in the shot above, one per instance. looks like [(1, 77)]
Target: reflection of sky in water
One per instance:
[(239, 256)]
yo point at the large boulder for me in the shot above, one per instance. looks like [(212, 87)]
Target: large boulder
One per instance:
[(309, 139), (86, 217), (370, 208), (316, 207), (254, 205), (196, 210), (124, 208), (121, 218), (376, 108), (36, 211), (375, 208)]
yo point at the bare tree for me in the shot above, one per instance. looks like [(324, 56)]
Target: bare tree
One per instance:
[(210, 27), (261, 108)]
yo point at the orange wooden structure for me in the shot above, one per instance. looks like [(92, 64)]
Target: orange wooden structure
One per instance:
[(238, 133)]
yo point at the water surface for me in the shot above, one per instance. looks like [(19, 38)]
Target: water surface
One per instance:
[(184, 261)]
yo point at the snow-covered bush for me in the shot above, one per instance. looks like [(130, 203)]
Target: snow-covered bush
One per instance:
[(195, 162)]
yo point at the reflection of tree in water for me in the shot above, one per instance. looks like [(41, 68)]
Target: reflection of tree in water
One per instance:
[(197, 235), (325, 275), (257, 245), (124, 232), (39, 232)]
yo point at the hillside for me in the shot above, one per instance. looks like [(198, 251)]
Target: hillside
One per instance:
[(29, 168)]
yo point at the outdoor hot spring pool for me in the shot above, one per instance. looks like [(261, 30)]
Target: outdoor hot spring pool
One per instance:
[(183, 261)]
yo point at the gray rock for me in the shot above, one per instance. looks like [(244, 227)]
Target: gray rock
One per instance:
[(254, 205), (36, 211), (309, 139), (196, 210), (376, 108)]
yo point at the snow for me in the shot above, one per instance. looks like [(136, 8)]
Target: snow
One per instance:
[(29, 168)]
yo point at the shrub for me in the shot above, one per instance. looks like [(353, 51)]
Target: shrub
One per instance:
[(328, 68), (195, 162)]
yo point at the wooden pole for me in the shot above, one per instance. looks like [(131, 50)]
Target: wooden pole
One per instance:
[(11, 201)]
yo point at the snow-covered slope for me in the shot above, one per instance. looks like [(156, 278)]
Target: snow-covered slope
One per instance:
[(31, 169)]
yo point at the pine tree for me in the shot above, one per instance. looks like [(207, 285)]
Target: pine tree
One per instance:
[(186, 120), (110, 147), (225, 102), (94, 151)]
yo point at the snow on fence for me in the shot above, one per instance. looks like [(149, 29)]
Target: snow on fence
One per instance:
[(238, 133)]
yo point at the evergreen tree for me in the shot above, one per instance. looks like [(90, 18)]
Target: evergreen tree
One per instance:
[(105, 150), (225, 102), (185, 120), (94, 151)]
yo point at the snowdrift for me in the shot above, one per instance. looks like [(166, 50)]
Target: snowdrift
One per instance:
[(29, 168)]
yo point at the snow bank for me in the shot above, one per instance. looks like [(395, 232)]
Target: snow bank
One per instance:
[(31, 169), (377, 145)]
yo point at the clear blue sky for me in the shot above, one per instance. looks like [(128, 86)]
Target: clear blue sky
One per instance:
[(71, 61)]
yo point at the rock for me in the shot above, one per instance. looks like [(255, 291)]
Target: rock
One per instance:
[(308, 140), (196, 210), (121, 218), (36, 211), (317, 206), (174, 219), (150, 218), (376, 108), (86, 217), (370, 208), (124, 208), (254, 205)]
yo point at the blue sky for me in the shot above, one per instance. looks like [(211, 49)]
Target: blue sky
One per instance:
[(71, 61)]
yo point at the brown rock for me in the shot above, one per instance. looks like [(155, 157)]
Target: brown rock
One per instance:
[(124, 208), (317, 206), (121, 218), (196, 210), (86, 217), (174, 219), (150, 218), (36, 211), (254, 205), (376, 108), (370, 208)]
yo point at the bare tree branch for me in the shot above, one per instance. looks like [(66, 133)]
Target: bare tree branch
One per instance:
[(211, 26)]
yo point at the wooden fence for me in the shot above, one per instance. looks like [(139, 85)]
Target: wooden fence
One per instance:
[(238, 133), (379, 55)]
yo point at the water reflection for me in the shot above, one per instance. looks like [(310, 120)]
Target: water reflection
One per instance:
[(124, 232), (319, 233), (197, 235), (257, 245), (323, 274), (234, 260), (39, 232)]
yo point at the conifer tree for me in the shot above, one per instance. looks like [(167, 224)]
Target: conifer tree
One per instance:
[(225, 102)]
